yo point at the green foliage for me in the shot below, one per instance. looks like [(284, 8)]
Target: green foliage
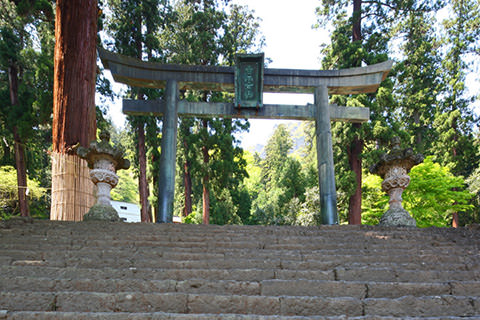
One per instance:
[(454, 119), (309, 213), (434, 194), (418, 80), (425, 102), (37, 196), (135, 27), (283, 182), (224, 210), (26, 54), (473, 182), (375, 201), (209, 156), (127, 187)]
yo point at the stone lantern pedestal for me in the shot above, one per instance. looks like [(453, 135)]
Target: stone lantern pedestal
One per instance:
[(104, 160), (394, 167)]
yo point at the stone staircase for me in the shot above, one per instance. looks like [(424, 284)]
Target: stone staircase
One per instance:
[(67, 270)]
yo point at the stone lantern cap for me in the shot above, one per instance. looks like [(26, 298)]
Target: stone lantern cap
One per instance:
[(396, 157), (102, 149)]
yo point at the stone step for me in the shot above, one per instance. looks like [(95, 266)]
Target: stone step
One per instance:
[(182, 231), (274, 287), (165, 271), (90, 259), (58, 315), (362, 273), (271, 235), (202, 245), (233, 247), (407, 306)]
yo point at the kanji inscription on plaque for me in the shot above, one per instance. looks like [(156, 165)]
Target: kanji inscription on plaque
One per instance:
[(249, 80)]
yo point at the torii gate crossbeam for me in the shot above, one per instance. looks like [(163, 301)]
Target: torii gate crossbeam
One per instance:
[(173, 78)]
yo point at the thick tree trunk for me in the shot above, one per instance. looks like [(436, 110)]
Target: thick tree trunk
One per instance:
[(356, 147), (355, 203), (357, 20), (73, 106), (21, 174), (455, 222), (18, 147), (187, 180), (206, 178), (418, 131), (142, 178), (206, 201)]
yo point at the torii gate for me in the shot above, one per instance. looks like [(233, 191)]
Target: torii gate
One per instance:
[(173, 78)]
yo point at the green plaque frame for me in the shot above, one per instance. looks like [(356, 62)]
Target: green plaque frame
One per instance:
[(249, 80)]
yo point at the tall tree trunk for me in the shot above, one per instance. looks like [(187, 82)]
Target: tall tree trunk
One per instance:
[(356, 147), (142, 177), (73, 107), (187, 180), (18, 147), (355, 203), (357, 20), (455, 222), (184, 132), (143, 189), (21, 174), (206, 178), (418, 131)]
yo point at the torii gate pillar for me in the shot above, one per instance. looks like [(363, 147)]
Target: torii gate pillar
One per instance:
[(166, 187), (326, 170)]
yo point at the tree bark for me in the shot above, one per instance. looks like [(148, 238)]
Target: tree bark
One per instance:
[(21, 174), (206, 178), (73, 106), (355, 203), (357, 20), (455, 222), (356, 147), (18, 146), (418, 131), (187, 180), (206, 201), (142, 178)]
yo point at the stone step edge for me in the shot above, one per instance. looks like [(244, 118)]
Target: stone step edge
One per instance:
[(267, 287), (59, 315), (337, 274), (407, 306), (232, 263)]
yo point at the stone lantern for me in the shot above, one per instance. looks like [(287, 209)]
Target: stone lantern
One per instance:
[(394, 167), (104, 160)]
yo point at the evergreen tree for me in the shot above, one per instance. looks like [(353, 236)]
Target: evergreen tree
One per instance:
[(135, 26), (283, 181), (363, 38), (454, 119), (417, 84), (209, 158), (25, 92)]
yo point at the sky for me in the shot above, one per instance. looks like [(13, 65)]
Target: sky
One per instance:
[(291, 43)]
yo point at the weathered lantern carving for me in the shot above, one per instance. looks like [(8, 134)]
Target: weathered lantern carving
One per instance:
[(104, 160), (394, 167)]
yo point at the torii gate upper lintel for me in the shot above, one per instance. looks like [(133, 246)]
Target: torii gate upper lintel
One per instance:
[(173, 78)]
